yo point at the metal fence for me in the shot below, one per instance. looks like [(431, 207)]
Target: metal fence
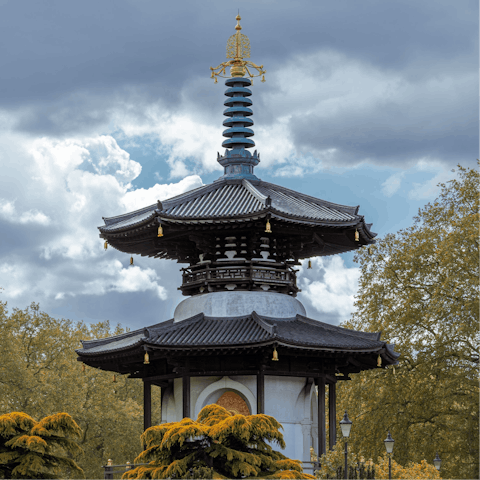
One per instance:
[(116, 471), (111, 471)]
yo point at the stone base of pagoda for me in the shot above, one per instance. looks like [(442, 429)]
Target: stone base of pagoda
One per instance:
[(237, 304), (291, 400)]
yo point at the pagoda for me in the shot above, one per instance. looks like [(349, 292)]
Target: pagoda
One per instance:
[(241, 338)]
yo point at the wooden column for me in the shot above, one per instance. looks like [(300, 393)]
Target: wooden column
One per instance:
[(186, 395), (322, 440), (261, 391), (147, 404), (332, 415)]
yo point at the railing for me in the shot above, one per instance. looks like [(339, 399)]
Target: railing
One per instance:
[(110, 470), (310, 467), (239, 273)]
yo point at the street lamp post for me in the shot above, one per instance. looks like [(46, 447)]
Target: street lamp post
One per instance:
[(437, 462), (389, 446), (346, 425)]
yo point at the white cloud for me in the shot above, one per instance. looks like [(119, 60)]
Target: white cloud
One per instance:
[(122, 279), (429, 189), (329, 287), (142, 197), (72, 183), (392, 184), (9, 213), (180, 136)]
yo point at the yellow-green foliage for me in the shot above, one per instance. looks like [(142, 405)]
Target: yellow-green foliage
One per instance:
[(413, 471), (218, 442), (30, 449), (335, 458), (40, 375), (420, 289), (330, 461)]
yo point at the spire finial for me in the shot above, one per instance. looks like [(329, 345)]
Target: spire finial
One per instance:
[(238, 49)]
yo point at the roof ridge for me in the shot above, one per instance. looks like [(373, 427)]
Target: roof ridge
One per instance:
[(329, 326), (258, 195), (344, 208), (189, 195), (177, 325), (270, 328)]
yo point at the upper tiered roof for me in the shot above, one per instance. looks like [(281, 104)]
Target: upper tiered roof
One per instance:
[(232, 201)]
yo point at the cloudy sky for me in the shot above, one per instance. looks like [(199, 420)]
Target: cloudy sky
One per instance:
[(108, 106)]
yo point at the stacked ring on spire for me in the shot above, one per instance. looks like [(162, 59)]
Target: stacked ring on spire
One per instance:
[(238, 113)]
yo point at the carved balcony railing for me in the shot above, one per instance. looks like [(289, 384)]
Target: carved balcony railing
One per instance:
[(212, 277)]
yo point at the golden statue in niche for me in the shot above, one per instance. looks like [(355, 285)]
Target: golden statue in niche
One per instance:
[(234, 403)]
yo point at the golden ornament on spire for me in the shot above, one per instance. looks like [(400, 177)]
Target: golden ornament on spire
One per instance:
[(238, 48)]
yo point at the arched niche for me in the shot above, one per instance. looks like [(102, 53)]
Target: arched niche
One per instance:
[(234, 403), (215, 390)]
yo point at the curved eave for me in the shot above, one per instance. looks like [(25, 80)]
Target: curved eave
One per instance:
[(96, 359), (270, 342), (107, 353), (261, 214)]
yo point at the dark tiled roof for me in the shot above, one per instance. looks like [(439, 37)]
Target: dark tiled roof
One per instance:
[(200, 331), (232, 199)]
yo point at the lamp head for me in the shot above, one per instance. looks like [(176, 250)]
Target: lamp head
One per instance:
[(345, 425), (389, 441)]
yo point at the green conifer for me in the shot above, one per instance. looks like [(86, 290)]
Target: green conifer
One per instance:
[(30, 449), (218, 444)]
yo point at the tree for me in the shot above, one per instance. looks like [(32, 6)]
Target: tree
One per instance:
[(332, 466), (40, 375), (219, 445), (420, 288), (413, 471), (30, 449)]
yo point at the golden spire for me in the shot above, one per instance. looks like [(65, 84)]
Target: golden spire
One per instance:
[(238, 48)]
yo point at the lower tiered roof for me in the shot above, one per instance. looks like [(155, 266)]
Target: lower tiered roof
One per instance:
[(346, 350)]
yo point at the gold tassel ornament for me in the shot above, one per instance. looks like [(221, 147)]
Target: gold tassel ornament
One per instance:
[(146, 359), (309, 265), (357, 236), (114, 379), (160, 231), (379, 361), (268, 228), (83, 367), (275, 355), (370, 251), (105, 245), (131, 260)]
